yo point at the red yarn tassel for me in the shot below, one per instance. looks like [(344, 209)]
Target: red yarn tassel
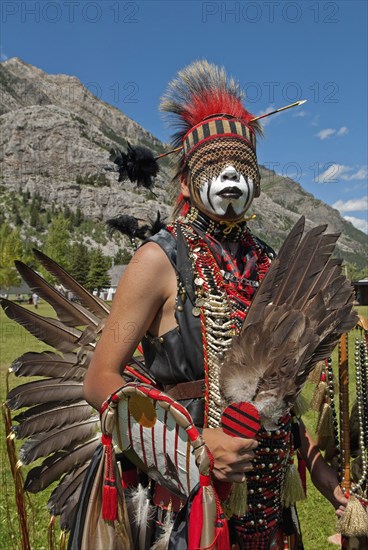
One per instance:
[(110, 493), (222, 536), (196, 519)]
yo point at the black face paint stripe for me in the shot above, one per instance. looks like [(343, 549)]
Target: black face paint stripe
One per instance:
[(208, 195)]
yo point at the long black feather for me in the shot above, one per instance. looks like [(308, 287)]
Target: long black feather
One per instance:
[(92, 303), (68, 484), (51, 331), (46, 363), (69, 509), (70, 313), (44, 391), (51, 417), (43, 444), (54, 466)]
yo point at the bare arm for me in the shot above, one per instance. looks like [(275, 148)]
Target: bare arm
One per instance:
[(323, 476), (147, 285)]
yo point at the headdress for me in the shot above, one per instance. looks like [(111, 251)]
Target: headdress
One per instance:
[(213, 127)]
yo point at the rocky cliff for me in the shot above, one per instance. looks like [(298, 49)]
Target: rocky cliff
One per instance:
[(55, 141)]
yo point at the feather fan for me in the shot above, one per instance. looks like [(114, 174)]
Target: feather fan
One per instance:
[(294, 321), (92, 303)]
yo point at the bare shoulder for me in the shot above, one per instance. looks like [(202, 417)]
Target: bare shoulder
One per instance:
[(149, 273), (149, 260)]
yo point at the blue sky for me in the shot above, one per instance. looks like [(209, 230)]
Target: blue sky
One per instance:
[(125, 52)]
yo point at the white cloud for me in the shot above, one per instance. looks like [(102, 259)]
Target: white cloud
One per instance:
[(361, 174), (3, 56), (315, 121), (333, 173), (300, 114), (326, 133), (352, 205), (343, 130), (359, 223), (336, 172), (329, 132)]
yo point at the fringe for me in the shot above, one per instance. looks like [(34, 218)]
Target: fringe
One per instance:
[(301, 405), (238, 499), (354, 521), (325, 429), (319, 396), (293, 489)]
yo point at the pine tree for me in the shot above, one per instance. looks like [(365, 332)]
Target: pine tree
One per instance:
[(98, 277), (11, 249), (78, 217), (57, 244), (122, 257), (80, 261)]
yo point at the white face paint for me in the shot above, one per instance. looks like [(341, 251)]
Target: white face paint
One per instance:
[(227, 196)]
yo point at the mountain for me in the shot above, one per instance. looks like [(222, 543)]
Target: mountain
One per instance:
[(55, 142)]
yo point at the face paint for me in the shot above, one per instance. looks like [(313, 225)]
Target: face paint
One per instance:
[(227, 196)]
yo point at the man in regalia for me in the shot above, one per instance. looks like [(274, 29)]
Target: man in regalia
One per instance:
[(186, 294)]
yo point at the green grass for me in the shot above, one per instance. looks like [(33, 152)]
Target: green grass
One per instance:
[(316, 514)]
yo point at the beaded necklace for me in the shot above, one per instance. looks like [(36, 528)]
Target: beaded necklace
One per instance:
[(224, 287)]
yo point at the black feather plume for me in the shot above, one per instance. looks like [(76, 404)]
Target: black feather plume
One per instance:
[(138, 165), (157, 224)]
